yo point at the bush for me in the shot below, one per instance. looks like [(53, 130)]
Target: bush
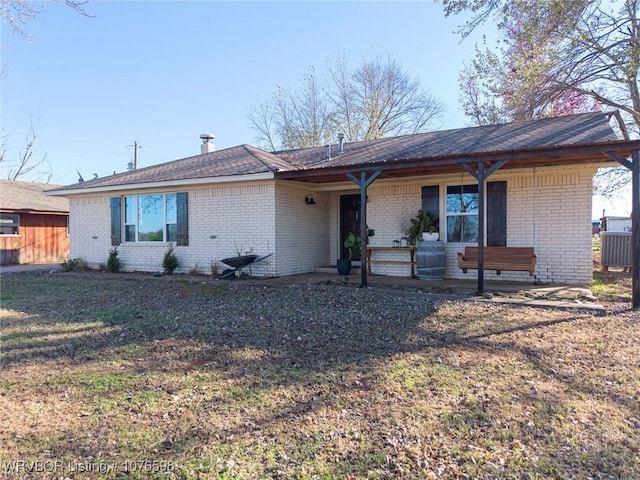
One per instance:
[(75, 265), (113, 262), (170, 261)]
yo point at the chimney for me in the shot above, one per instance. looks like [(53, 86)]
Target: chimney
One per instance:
[(207, 143), (328, 152), (340, 142)]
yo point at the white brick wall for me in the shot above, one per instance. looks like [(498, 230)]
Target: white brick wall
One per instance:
[(389, 211), (550, 211), (222, 221), (90, 229), (302, 233)]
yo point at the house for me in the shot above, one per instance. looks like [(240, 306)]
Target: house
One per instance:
[(517, 184), (33, 226)]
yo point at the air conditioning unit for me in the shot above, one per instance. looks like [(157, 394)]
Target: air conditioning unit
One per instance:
[(615, 249)]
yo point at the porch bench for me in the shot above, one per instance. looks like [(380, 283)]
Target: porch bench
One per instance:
[(522, 259)]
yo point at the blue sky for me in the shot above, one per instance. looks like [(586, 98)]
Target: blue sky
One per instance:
[(162, 73)]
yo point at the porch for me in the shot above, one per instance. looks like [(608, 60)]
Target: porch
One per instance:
[(542, 295)]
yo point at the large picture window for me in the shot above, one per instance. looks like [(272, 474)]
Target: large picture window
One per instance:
[(462, 213), (150, 218)]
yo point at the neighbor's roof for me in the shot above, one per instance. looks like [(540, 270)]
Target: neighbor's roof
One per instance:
[(28, 197), (428, 148)]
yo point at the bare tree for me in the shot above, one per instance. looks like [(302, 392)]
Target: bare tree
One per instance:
[(387, 101), (27, 161), (376, 99), (293, 119)]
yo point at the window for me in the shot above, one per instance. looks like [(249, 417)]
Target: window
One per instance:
[(9, 224), (431, 200), (497, 214), (150, 218), (462, 213)]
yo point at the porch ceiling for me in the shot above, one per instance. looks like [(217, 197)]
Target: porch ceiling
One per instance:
[(425, 166)]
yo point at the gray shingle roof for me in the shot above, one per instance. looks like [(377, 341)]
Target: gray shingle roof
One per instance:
[(244, 159), (240, 160), (28, 196)]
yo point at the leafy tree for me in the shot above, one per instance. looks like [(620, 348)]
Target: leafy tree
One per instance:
[(376, 99), (18, 12), (557, 57)]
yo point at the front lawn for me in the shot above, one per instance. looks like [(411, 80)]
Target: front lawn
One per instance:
[(128, 376)]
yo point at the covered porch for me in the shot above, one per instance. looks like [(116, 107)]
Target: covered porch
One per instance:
[(581, 145)]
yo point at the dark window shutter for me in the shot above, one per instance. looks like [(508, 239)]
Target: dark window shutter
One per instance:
[(182, 237), (496, 214), (431, 200), (116, 220)]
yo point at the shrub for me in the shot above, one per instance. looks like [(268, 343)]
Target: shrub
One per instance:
[(170, 261), (75, 265), (113, 262)]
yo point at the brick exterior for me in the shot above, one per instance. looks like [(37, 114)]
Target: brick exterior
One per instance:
[(549, 209)]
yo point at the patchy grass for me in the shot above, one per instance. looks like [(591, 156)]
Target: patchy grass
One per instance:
[(123, 376), (612, 286)]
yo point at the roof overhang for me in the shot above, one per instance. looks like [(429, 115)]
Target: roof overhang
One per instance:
[(32, 211), (594, 153), (165, 184)]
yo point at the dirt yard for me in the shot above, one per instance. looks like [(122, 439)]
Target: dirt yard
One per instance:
[(128, 376)]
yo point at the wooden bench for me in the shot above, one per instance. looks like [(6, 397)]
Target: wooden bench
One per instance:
[(521, 259)]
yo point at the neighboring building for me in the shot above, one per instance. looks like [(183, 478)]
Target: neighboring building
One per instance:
[(301, 204), (33, 226), (616, 224)]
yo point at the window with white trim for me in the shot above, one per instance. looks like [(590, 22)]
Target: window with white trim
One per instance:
[(150, 218), (462, 213)]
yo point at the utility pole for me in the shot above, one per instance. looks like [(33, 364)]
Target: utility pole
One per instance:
[(134, 166)]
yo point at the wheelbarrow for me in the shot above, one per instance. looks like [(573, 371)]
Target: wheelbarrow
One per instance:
[(240, 262)]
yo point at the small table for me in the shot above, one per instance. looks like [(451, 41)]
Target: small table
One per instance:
[(410, 250)]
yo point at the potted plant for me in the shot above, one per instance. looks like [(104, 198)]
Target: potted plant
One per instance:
[(352, 244), (424, 226)]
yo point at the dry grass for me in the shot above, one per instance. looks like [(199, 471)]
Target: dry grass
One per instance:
[(121, 376)]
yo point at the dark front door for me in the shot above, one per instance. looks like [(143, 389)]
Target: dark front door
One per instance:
[(349, 221)]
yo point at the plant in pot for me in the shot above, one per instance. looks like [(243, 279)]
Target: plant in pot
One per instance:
[(352, 244), (421, 226)]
